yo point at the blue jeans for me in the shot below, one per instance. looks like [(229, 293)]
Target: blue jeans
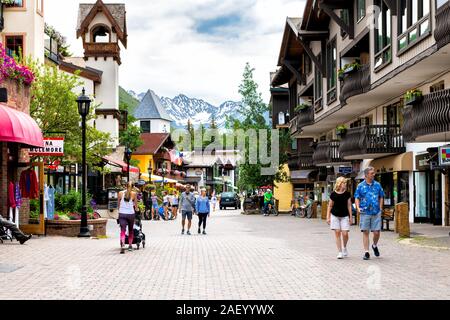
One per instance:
[(266, 206)]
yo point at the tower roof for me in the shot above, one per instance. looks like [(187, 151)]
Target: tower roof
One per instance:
[(151, 108), (114, 12)]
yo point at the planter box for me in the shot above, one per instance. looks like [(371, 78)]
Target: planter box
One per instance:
[(72, 228), (414, 100)]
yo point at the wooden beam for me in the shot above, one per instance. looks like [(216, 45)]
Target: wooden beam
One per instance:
[(311, 55), (350, 30), (290, 66)]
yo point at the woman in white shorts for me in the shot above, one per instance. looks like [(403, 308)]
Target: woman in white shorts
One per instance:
[(339, 215)]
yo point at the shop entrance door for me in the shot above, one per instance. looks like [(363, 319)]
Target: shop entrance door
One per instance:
[(39, 227), (428, 197)]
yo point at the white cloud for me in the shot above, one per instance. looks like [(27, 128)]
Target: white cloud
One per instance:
[(166, 54)]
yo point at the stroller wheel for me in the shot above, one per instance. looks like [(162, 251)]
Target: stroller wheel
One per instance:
[(138, 246)]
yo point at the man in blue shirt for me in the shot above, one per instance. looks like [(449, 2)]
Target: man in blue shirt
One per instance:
[(369, 205)]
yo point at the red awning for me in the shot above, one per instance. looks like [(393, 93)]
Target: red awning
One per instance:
[(18, 127), (121, 164)]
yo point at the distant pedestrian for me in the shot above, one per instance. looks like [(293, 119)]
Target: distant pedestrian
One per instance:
[(155, 206), (369, 205), (339, 215), (203, 208), (166, 204), (127, 208), (187, 206), (214, 201), (174, 201)]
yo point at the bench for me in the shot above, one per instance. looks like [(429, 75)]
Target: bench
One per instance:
[(387, 216)]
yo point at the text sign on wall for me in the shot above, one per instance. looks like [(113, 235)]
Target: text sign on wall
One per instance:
[(53, 147), (444, 156)]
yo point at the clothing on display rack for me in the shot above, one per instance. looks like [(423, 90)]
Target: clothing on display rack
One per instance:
[(18, 196), (11, 196), (29, 184)]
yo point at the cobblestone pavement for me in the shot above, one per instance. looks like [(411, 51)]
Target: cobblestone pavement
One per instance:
[(242, 257)]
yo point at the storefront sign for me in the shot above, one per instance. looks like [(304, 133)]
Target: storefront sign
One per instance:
[(53, 147), (345, 170), (444, 156)]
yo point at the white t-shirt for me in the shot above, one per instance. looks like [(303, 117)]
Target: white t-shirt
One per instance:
[(166, 199)]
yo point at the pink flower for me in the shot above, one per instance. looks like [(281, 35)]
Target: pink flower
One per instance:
[(9, 69)]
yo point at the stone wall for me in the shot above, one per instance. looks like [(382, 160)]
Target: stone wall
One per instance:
[(72, 228)]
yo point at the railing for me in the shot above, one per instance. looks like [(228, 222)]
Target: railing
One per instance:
[(302, 161), (376, 139), (327, 153), (442, 31), (355, 83), (431, 116), (302, 119), (294, 162), (93, 49)]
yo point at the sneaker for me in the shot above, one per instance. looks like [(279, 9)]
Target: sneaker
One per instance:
[(204, 232), (188, 233), (182, 232), (199, 231), (376, 251), (340, 256), (130, 248), (345, 253), (367, 256), (122, 251)]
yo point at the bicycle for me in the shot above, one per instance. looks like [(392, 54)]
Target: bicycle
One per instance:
[(271, 210)]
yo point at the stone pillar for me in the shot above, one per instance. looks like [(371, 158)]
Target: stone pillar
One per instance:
[(402, 226)]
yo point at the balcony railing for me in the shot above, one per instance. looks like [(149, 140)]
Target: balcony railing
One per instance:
[(368, 141), (93, 49), (327, 153), (430, 117), (302, 119), (302, 161), (442, 31), (355, 83)]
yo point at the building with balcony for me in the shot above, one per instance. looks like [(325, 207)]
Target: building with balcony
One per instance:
[(348, 68)]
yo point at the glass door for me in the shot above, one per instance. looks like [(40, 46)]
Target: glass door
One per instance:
[(436, 198), (422, 210)]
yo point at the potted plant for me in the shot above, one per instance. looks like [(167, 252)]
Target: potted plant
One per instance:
[(341, 130), (413, 97), (347, 69), (302, 107)]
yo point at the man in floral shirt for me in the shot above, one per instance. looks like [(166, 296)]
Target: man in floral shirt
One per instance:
[(369, 204)]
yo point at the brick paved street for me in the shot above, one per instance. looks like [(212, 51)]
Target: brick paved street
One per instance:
[(243, 257)]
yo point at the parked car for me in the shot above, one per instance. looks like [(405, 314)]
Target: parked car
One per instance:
[(230, 200)]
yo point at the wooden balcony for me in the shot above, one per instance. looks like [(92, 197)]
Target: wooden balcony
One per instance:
[(442, 31), (327, 154), (302, 119), (428, 121), (372, 142), (355, 83), (301, 161), (92, 49)]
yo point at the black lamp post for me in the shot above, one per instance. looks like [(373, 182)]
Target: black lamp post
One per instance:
[(84, 104), (163, 172), (150, 172), (128, 154)]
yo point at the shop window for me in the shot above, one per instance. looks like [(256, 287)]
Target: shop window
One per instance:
[(383, 35), (331, 71), (437, 87), (14, 46), (413, 23)]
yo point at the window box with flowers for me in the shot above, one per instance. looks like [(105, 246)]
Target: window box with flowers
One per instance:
[(302, 108), (413, 97), (348, 69), (341, 131)]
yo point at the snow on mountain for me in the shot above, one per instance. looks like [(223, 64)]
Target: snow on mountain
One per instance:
[(182, 108)]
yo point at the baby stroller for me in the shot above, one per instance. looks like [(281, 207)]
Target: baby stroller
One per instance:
[(139, 236), (4, 235)]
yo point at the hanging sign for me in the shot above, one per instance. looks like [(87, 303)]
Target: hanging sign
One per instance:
[(53, 147), (444, 156)]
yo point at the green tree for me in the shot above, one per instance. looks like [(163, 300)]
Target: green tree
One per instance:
[(252, 112), (53, 106)]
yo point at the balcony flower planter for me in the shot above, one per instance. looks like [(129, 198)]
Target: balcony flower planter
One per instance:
[(71, 228), (413, 97), (302, 108), (341, 131), (348, 69)]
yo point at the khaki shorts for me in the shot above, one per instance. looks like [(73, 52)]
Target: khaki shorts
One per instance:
[(340, 224)]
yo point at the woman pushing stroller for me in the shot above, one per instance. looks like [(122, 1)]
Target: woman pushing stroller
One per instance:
[(127, 209)]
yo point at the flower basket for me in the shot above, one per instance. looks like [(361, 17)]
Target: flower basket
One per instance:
[(302, 108), (413, 97), (348, 69), (341, 131)]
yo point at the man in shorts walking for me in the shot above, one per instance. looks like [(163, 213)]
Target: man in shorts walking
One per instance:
[(369, 205), (187, 206)]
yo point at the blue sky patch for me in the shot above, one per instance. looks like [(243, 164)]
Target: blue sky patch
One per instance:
[(219, 24)]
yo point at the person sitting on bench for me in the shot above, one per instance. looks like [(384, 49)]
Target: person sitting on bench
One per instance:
[(19, 235)]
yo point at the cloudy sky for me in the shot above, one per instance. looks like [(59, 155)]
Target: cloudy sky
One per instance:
[(195, 47)]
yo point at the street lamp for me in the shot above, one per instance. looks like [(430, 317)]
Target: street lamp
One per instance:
[(163, 172), (128, 154), (84, 104), (150, 172)]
